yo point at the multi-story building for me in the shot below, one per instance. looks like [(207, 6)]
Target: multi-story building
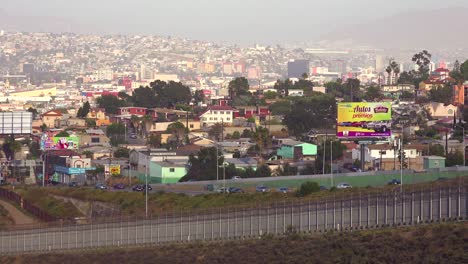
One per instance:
[(217, 114)]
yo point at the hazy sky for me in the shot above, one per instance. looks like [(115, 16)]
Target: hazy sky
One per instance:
[(242, 21)]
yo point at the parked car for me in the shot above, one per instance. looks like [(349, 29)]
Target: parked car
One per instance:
[(119, 186), (235, 190), (394, 182), (101, 186), (138, 188), (236, 177), (323, 188), (222, 190), (262, 189), (133, 136), (283, 189), (148, 186), (343, 185), (72, 184)]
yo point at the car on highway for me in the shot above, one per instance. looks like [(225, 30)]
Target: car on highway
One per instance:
[(119, 186), (73, 184), (148, 186), (283, 189), (323, 188), (235, 190), (222, 190), (394, 182), (236, 177), (343, 185), (138, 188), (100, 186), (262, 189)]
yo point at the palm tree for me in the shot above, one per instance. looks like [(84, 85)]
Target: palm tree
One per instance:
[(135, 121), (389, 71), (396, 69), (147, 123)]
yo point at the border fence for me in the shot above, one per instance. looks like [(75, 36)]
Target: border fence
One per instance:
[(353, 211), (26, 205)]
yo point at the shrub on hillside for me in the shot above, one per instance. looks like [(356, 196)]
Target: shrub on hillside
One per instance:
[(308, 188)]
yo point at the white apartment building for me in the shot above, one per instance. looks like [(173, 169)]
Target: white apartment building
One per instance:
[(217, 114)]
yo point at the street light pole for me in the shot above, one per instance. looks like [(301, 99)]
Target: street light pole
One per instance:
[(146, 186), (331, 161)]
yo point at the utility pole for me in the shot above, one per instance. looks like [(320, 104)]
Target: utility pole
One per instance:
[(146, 186), (331, 161)]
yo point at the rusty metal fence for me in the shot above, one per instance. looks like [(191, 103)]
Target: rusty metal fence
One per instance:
[(26, 205)]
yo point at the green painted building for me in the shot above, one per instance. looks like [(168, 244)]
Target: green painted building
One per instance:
[(166, 172), (433, 162), (291, 149)]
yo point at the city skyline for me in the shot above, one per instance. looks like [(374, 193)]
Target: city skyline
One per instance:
[(243, 23)]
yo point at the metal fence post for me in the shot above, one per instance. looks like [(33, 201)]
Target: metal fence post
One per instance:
[(284, 217), (403, 207), (220, 231), (351, 212), (359, 210), (421, 204), (386, 207), (342, 213), (204, 230), (458, 202), (228, 218), (440, 203), (250, 225), (376, 209), (61, 235), (308, 216), (368, 209), (430, 204), (316, 216), (394, 208), (235, 222), (276, 218), (76, 235), (166, 235), (326, 214), (180, 224), (334, 213), (196, 228), (212, 216), (449, 201), (243, 219), (412, 207), (188, 222), (268, 220)]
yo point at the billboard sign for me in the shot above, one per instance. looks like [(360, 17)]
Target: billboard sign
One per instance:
[(54, 143), (113, 169), (17, 123), (364, 120)]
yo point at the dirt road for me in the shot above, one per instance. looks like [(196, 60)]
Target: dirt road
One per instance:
[(18, 217)]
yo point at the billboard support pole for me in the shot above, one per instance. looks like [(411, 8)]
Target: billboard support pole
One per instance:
[(363, 156)]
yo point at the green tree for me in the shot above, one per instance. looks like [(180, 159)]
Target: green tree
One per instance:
[(282, 107), (352, 86), (116, 133), (464, 70), (171, 93), (247, 133), (84, 110), (407, 95), (177, 129), (437, 150), (33, 111), (144, 97), (308, 188), (203, 166), (270, 95), (283, 87), (441, 94), (287, 170), (236, 135), (263, 171), (216, 131), (110, 103), (35, 149), (122, 153), (237, 87), (335, 88), (261, 136), (422, 59), (10, 147), (63, 134), (154, 140), (454, 158), (318, 111), (373, 93)]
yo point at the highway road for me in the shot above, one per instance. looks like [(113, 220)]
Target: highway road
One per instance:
[(353, 212)]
